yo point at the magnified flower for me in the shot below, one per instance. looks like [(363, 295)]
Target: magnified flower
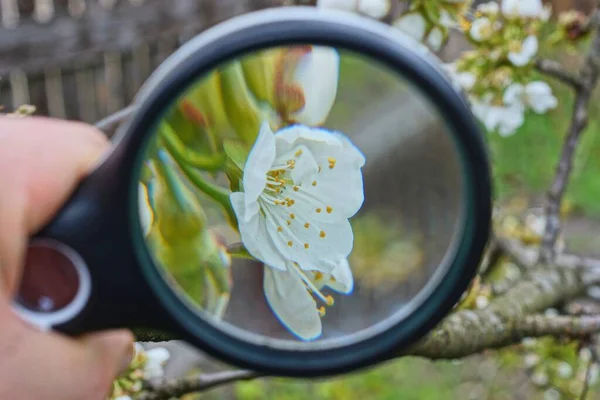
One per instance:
[(537, 95), (306, 84), (301, 185), (522, 8), (413, 24), (291, 295), (522, 53)]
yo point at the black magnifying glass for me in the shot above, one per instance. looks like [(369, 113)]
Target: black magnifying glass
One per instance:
[(301, 192)]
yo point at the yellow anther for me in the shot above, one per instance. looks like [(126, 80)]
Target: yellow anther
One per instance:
[(282, 181), (298, 153), (329, 209), (292, 216), (314, 183), (321, 311), (278, 190), (332, 162), (322, 234), (318, 275), (296, 188), (307, 225), (289, 222), (329, 300), (279, 229), (318, 210), (332, 278), (276, 202), (290, 243), (306, 246)]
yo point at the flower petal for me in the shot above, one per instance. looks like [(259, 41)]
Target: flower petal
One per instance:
[(342, 281), (305, 165), (374, 8), (435, 39), (291, 303), (540, 97), (317, 73), (259, 162), (254, 235), (312, 243), (412, 24), (529, 49), (513, 95)]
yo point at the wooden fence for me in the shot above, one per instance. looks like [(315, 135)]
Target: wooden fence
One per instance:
[(83, 59)]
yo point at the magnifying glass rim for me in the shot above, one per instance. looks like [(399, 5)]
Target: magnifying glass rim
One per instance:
[(303, 25)]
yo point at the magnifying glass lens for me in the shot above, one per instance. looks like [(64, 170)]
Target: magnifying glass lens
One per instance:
[(302, 197)]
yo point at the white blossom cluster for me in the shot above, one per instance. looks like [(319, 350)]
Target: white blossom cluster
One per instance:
[(497, 74), (146, 365)]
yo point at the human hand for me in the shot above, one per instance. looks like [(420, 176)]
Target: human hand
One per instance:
[(41, 162)]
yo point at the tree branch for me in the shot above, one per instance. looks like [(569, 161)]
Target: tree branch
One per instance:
[(202, 382), (505, 320), (555, 70), (589, 80)]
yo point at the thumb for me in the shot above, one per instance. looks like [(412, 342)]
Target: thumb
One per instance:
[(64, 368)]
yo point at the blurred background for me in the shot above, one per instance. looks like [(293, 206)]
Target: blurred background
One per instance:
[(84, 59)]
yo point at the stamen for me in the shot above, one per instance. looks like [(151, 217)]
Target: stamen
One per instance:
[(311, 285), (322, 234), (296, 188), (307, 225), (318, 210), (318, 275), (292, 216), (289, 222), (329, 209), (314, 183), (279, 229), (306, 246), (298, 153), (290, 243), (332, 162), (321, 311)]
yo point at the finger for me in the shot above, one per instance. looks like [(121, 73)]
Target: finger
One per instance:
[(61, 368), (41, 163)]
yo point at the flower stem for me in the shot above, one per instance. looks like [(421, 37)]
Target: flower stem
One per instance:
[(184, 154), (212, 190)]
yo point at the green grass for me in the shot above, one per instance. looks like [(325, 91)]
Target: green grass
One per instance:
[(525, 162)]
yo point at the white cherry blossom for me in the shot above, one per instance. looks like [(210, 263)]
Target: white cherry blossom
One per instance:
[(346, 5), (435, 39), (537, 95), (466, 80), (317, 75), (481, 29), (522, 8), (413, 24), (523, 53), (502, 119), (156, 358), (374, 8), (489, 8), (301, 185)]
